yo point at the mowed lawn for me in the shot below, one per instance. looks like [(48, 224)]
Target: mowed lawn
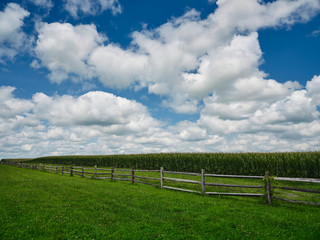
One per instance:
[(40, 205)]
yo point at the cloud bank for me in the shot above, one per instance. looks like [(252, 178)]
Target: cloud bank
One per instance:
[(102, 123)]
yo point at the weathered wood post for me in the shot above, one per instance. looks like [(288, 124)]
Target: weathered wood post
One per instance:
[(268, 188), (36, 167), (112, 170), (82, 171), (203, 181), (132, 175), (62, 169), (95, 171), (161, 177), (71, 171), (49, 168), (56, 169)]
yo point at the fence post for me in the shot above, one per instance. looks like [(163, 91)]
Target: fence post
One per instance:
[(62, 169), (132, 175), (161, 177), (95, 171), (112, 170), (203, 181), (82, 171), (56, 169), (71, 171), (268, 187)]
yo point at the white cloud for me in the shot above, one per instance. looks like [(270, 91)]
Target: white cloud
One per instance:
[(71, 125), (251, 15), (106, 111), (222, 67), (43, 3), (186, 59), (189, 58), (288, 117), (91, 7), (313, 88), (116, 67), (295, 108), (209, 56), (11, 106), (64, 49), (12, 38)]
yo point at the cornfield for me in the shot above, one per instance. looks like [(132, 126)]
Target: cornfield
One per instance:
[(294, 164)]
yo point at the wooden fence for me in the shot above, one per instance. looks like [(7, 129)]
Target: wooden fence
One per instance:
[(131, 175)]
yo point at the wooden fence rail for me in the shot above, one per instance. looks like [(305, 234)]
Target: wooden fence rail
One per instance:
[(106, 173)]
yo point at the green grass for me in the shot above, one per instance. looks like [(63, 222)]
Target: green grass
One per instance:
[(40, 205)]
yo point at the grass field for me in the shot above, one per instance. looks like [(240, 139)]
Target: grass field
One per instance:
[(39, 205)]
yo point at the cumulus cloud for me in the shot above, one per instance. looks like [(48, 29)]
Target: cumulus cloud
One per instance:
[(11, 106), (64, 49), (190, 58), (186, 59), (91, 7), (53, 124), (12, 38), (313, 88), (251, 15), (117, 67), (93, 109), (295, 108), (291, 116)]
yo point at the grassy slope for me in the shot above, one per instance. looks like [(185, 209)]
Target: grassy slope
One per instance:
[(38, 205)]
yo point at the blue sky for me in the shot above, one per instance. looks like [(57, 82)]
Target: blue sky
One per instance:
[(122, 76)]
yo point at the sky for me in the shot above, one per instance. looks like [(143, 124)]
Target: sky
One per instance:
[(121, 76)]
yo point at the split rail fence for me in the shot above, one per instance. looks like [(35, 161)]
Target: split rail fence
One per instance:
[(131, 175)]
